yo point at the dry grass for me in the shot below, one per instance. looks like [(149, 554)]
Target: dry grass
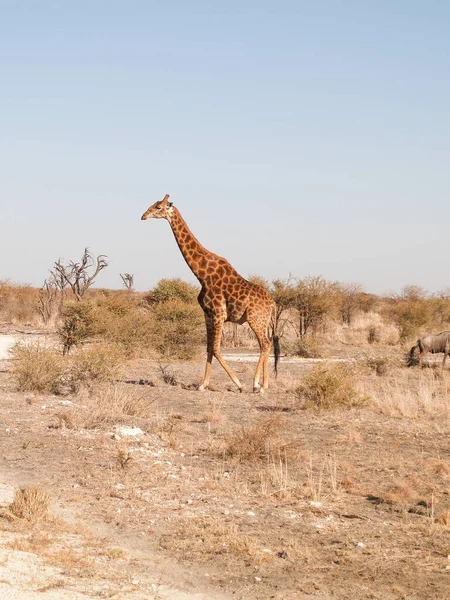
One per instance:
[(322, 479), (204, 537), (18, 304), (407, 394), (107, 404), (330, 386), (30, 504)]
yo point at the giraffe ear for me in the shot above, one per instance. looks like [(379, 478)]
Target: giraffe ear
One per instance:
[(170, 204)]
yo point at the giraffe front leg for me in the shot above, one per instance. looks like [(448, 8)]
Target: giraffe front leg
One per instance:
[(218, 321), (209, 353)]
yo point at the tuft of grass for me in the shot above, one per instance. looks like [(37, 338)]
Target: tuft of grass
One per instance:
[(38, 368), (330, 386), (378, 364), (30, 504)]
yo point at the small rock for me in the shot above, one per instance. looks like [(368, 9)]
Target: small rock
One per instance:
[(129, 431)]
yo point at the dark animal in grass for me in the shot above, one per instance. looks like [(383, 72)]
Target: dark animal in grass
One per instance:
[(434, 344)]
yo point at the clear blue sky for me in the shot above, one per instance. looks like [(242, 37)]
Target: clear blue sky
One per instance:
[(294, 137)]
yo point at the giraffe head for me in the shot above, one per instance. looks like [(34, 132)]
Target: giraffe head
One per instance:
[(159, 210)]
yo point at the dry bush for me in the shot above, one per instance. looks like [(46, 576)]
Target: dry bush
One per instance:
[(31, 504), (122, 319), (330, 386), (18, 303), (178, 329), (99, 363), (77, 324), (256, 441), (38, 368), (400, 492), (306, 348)]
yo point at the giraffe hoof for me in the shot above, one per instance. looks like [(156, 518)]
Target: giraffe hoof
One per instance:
[(257, 389), (202, 388)]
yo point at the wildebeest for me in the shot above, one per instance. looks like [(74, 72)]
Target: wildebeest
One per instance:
[(434, 344)]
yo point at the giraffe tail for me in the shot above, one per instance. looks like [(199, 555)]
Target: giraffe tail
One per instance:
[(275, 342), (276, 351)]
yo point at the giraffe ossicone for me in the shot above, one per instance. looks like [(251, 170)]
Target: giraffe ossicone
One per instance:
[(225, 296)]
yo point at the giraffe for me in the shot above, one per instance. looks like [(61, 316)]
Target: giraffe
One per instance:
[(224, 296)]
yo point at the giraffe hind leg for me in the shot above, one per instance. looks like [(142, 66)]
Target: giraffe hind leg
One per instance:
[(263, 361)]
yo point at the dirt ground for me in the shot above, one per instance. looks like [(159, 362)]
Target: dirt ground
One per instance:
[(347, 504)]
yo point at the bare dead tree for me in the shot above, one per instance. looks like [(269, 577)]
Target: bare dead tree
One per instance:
[(48, 295), (128, 281), (76, 275)]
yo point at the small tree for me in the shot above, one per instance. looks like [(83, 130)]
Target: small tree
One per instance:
[(350, 294), (284, 293), (77, 275), (128, 281), (48, 294), (411, 310), (315, 298)]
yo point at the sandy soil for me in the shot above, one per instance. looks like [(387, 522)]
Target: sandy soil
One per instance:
[(353, 507)]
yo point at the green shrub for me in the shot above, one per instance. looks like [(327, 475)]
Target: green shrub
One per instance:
[(173, 289), (178, 329), (330, 386)]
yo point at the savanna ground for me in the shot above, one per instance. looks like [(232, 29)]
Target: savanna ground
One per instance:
[(121, 480), (252, 497)]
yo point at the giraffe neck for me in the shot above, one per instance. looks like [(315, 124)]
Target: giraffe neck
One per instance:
[(193, 252)]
